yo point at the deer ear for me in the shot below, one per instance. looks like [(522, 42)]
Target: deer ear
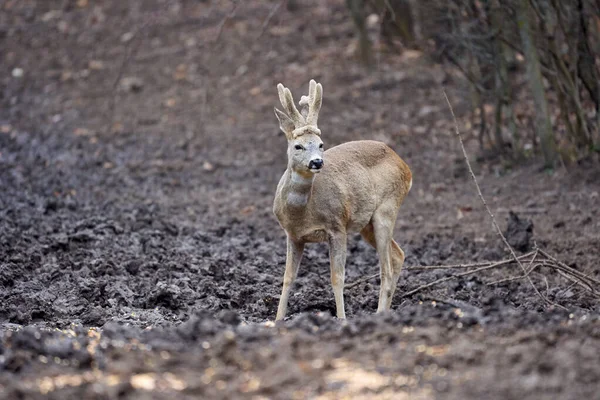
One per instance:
[(285, 123)]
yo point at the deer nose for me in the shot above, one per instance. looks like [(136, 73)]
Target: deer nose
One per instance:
[(317, 163)]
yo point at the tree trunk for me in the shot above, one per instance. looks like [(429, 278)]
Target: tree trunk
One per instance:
[(543, 124), (357, 11)]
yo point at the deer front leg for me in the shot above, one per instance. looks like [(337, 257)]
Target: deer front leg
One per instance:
[(292, 262), (337, 255)]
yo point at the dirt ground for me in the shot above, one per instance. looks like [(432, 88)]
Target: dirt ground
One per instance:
[(139, 257)]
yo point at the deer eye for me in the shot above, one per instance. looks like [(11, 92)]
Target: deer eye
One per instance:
[(298, 147), (321, 146)]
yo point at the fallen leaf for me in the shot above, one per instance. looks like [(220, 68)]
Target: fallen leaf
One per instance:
[(181, 72), (82, 132), (247, 210), (96, 65), (143, 381), (170, 102), (281, 30)]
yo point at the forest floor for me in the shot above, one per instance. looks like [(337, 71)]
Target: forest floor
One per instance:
[(139, 256)]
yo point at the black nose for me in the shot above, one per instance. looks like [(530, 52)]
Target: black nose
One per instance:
[(316, 164)]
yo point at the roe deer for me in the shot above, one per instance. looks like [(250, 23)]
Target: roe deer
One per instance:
[(322, 196)]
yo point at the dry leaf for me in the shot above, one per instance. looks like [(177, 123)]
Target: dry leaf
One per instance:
[(96, 65), (247, 210), (143, 381), (82, 132), (170, 102), (181, 72)]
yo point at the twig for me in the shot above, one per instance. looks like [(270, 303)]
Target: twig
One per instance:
[(471, 265), (494, 223), (573, 271), (516, 278), (359, 281), (547, 286), (230, 15), (529, 269), (436, 267), (576, 281), (272, 13), (447, 278)]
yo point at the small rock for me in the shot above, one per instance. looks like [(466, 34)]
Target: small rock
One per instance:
[(17, 73), (519, 232), (126, 37), (132, 84)]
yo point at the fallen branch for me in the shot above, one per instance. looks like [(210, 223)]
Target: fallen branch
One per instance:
[(534, 260), (573, 271), (447, 278), (529, 270), (471, 265), (487, 208), (433, 267)]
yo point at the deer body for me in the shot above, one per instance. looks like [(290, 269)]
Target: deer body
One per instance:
[(354, 187)]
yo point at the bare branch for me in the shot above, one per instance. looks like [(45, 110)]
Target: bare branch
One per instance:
[(224, 21), (447, 278), (272, 13), (487, 208)]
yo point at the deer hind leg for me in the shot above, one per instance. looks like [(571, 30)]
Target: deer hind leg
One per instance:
[(397, 263), (384, 220), (397, 258)]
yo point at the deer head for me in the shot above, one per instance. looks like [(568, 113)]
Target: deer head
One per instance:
[(305, 147)]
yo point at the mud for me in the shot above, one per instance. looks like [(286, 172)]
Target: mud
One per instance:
[(139, 257)]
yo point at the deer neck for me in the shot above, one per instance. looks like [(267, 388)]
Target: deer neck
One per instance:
[(299, 189)]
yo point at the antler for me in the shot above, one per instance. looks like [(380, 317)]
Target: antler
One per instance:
[(287, 101), (307, 119), (315, 99)]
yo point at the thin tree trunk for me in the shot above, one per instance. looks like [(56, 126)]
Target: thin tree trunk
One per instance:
[(502, 86), (543, 124), (357, 8), (564, 78)]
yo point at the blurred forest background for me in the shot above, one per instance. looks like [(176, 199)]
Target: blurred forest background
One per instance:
[(532, 65)]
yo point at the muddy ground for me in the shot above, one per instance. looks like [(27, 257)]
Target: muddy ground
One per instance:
[(139, 257)]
